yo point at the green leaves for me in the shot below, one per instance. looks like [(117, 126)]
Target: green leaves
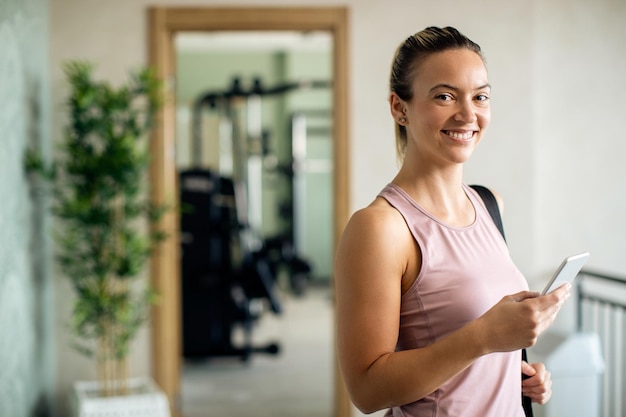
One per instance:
[(96, 179)]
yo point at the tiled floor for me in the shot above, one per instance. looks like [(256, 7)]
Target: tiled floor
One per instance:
[(295, 383)]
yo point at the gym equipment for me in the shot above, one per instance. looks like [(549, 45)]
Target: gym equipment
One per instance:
[(229, 271), (219, 289)]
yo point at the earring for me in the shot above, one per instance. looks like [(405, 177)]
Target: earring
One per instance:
[(402, 120)]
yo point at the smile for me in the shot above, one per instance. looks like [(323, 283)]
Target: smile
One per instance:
[(460, 135)]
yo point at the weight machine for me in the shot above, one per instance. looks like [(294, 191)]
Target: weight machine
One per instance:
[(229, 270)]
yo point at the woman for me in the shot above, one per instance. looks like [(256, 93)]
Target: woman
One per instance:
[(431, 311)]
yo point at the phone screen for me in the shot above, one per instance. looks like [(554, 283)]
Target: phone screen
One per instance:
[(566, 272)]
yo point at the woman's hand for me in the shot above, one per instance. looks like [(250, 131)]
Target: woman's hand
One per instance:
[(517, 320), (538, 387)]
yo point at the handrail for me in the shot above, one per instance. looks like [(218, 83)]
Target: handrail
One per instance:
[(611, 313), (603, 275), (582, 295)]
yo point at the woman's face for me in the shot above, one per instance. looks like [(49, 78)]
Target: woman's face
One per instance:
[(449, 111)]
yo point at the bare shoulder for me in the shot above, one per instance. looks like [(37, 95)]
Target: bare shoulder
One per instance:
[(376, 242), (379, 219)]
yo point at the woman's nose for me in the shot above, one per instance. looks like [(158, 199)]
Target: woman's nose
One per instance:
[(466, 113)]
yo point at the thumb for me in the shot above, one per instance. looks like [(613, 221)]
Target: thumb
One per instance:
[(528, 369), (522, 295)]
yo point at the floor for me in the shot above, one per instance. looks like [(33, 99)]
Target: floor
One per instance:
[(295, 383)]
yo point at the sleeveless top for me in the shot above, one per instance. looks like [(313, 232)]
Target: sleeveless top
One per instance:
[(464, 272)]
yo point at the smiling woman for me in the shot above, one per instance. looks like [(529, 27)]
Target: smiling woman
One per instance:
[(414, 51), (429, 303), (456, 111)]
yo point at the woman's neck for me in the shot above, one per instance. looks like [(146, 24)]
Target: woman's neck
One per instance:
[(440, 192)]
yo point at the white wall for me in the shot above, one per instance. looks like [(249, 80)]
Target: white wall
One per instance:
[(553, 150), (578, 107)]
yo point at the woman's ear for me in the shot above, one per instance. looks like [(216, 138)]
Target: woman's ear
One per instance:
[(398, 108)]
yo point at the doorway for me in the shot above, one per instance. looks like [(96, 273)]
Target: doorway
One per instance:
[(165, 273)]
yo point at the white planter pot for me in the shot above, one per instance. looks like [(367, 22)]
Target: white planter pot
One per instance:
[(145, 399)]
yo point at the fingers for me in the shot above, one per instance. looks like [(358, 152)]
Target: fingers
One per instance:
[(551, 301), (539, 386), (523, 295), (518, 319), (545, 308), (558, 296), (528, 369)]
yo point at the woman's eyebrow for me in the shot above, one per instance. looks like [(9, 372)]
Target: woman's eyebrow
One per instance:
[(455, 88)]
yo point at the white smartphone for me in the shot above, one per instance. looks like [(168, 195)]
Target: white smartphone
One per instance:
[(566, 272)]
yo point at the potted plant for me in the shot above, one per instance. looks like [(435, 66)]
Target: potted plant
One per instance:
[(96, 177)]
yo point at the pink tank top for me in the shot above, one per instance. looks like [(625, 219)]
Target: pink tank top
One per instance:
[(465, 271)]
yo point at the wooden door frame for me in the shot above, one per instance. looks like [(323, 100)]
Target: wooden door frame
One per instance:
[(163, 23)]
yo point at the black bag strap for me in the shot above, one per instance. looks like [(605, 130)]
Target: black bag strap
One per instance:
[(494, 211), (526, 401), (492, 206)]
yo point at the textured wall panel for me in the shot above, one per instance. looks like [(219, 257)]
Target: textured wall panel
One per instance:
[(25, 306)]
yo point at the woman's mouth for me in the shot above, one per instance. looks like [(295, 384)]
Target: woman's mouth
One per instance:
[(462, 136)]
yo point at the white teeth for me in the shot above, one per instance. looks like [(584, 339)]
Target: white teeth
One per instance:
[(461, 136)]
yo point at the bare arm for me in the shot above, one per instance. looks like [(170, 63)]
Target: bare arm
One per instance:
[(373, 256)]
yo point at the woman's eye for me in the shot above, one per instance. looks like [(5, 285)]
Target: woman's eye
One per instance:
[(482, 97), (444, 97)]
